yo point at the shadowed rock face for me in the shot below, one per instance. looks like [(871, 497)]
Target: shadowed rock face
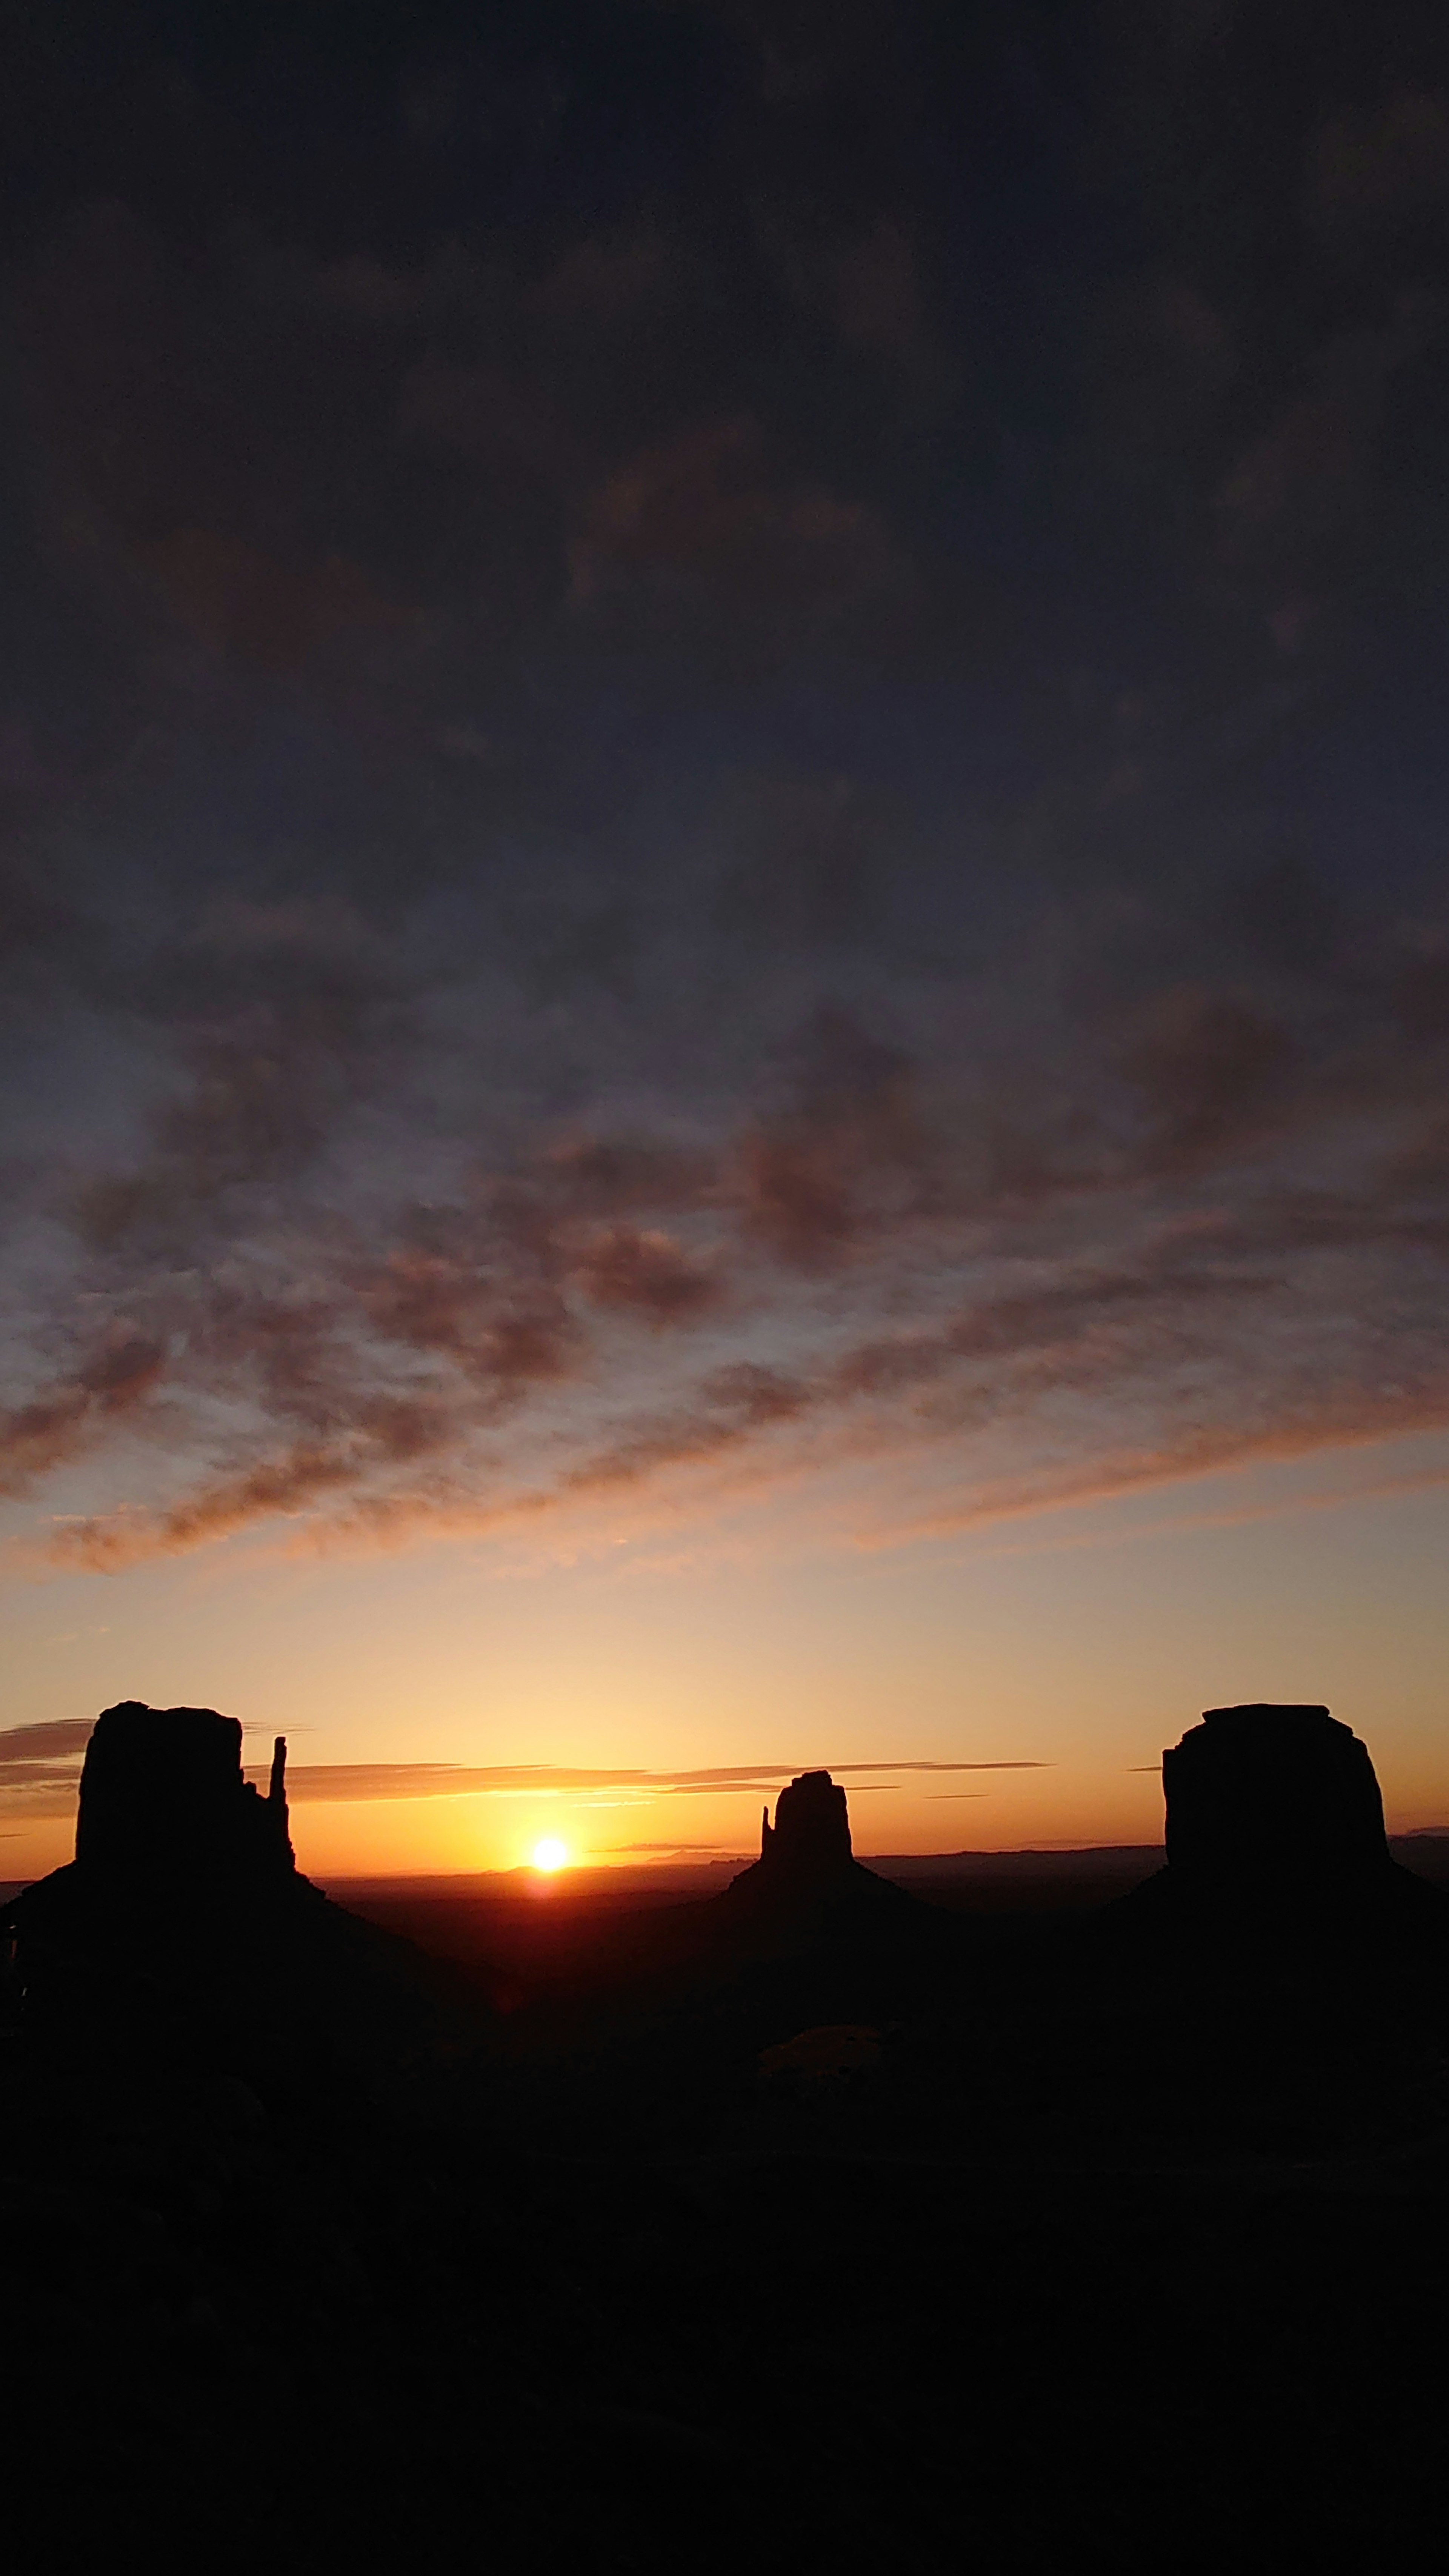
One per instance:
[(811, 1832), (162, 1796), (1268, 1796)]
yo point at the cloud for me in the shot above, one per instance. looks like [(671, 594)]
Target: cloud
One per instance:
[(233, 596), (1204, 1295), (645, 1272), (1194, 1452), (620, 1175), (651, 860), (1382, 166), (39, 1770), (1303, 503), (118, 1373), (40, 1767), (609, 278), (865, 282), (817, 1172), (1212, 1072), (46, 1740), (349, 1782), (706, 520)]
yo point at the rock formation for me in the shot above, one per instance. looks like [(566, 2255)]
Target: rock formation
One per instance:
[(162, 1796), (1265, 1797), (806, 1882), (811, 1831), (183, 1926), (1273, 1988), (1277, 1860)]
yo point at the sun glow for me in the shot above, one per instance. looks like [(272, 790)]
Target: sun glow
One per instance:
[(550, 1855)]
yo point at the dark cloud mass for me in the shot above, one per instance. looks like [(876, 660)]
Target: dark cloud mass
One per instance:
[(722, 757)]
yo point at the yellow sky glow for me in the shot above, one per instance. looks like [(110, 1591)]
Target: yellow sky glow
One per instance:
[(1080, 1640)]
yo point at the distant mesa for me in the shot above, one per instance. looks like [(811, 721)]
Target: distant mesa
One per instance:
[(807, 1878), (1266, 1796)]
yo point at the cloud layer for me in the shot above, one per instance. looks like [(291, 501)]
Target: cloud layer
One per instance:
[(668, 827), (40, 1776)]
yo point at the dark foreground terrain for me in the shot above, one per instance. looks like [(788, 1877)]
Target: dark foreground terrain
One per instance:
[(730, 2231)]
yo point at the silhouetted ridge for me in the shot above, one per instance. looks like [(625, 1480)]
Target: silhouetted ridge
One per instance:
[(162, 1795)]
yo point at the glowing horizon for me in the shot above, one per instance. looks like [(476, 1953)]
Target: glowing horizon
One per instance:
[(1069, 1650)]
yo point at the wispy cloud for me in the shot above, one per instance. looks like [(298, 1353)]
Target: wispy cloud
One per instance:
[(40, 1772), (48, 1740), (40, 1766), (370, 1780)]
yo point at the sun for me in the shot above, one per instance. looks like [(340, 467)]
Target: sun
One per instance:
[(549, 1855)]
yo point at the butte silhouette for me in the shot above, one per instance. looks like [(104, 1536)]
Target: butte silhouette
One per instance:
[(183, 1923), (1278, 1866), (807, 1888)]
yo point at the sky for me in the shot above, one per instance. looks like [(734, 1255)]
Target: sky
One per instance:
[(723, 916)]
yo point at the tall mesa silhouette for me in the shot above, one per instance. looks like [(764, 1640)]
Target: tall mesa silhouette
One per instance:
[(183, 1922)]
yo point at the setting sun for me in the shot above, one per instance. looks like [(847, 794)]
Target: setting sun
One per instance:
[(550, 1855)]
